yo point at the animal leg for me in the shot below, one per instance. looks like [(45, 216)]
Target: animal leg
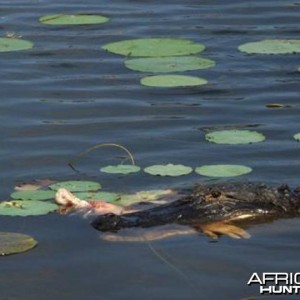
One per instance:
[(215, 229)]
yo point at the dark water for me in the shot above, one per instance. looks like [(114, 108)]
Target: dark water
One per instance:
[(66, 95)]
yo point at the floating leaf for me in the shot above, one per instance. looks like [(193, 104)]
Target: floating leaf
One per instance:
[(168, 170), (13, 243), (154, 47), (297, 137), (172, 81), (12, 44), (275, 46), (234, 137), (222, 170), (76, 186), (33, 195), (27, 187), (26, 208), (101, 196), (151, 196), (169, 64), (34, 185), (120, 169), (79, 19)]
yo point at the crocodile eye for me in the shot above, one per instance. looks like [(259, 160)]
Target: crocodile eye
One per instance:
[(216, 194), (110, 215), (283, 188)]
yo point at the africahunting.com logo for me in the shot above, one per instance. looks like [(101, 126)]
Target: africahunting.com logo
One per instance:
[(277, 283)]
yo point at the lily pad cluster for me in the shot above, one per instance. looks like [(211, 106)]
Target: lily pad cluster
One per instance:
[(163, 55), (41, 201), (8, 44), (171, 170), (227, 136), (230, 136)]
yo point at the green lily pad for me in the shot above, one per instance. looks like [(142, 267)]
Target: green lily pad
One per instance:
[(275, 46), (33, 195), (154, 47), (79, 19), (297, 137), (168, 170), (12, 44), (234, 137), (101, 196), (172, 81), (13, 243), (152, 196), (121, 169), (169, 64), (222, 170), (76, 186), (26, 208)]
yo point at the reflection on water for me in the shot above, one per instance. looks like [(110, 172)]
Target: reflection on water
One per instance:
[(66, 95)]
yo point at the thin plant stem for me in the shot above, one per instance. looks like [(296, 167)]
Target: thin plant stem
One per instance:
[(87, 151)]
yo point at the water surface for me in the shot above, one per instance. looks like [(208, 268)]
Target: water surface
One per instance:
[(66, 95)]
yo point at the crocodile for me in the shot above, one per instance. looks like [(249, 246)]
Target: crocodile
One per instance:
[(212, 209)]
